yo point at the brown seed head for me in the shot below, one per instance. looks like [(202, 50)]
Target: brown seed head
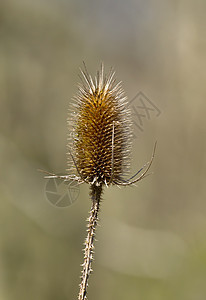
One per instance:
[(100, 130)]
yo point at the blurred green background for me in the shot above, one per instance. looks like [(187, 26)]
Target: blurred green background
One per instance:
[(152, 238)]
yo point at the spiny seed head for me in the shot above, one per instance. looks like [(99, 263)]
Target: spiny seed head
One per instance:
[(100, 130)]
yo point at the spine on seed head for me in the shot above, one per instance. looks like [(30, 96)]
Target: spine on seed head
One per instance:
[(100, 130)]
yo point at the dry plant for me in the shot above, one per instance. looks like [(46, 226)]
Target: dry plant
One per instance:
[(99, 148)]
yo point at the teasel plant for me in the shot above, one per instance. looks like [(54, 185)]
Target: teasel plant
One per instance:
[(99, 148)]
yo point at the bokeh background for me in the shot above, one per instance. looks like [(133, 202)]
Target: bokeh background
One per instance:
[(152, 238)]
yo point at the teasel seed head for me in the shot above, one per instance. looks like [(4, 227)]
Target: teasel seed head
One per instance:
[(100, 130)]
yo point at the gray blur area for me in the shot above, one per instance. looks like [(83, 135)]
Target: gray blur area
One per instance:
[(152, 239)]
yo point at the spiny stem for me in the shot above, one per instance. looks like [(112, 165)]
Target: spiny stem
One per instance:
[(96, 192)]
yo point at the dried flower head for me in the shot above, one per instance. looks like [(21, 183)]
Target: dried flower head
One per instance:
[(100, 130), (100, 134)]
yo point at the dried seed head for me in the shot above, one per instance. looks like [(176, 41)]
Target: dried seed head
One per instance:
[(100, 130)]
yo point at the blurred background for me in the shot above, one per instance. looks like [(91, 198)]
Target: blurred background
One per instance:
[(152, 239)]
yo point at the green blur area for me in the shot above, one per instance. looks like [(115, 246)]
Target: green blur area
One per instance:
[(152, 239)]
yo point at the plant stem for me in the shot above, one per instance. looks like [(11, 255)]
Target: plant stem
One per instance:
[(96, 192)]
